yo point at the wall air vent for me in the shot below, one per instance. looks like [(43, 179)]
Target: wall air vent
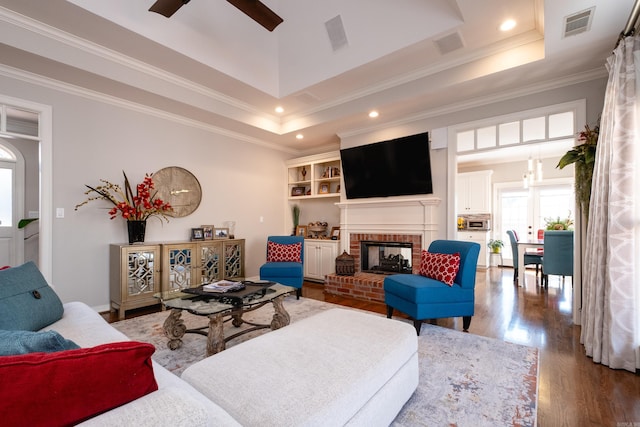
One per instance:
[(578, 22), (449, 43)]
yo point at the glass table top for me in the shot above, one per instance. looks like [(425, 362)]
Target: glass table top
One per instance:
[(204, 306)]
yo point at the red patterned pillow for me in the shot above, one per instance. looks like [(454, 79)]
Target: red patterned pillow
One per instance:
[(67, 387), (277, 252), (442, 267)]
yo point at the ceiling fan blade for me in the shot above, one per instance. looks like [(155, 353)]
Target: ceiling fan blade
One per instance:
[(167, 7), (259, 12)]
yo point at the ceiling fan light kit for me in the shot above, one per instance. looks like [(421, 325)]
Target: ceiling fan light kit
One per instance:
[(254, 9)]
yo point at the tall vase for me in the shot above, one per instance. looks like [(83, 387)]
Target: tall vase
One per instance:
[(136, 231)]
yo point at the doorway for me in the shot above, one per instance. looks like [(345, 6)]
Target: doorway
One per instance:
[(29, 121), (527, 210)]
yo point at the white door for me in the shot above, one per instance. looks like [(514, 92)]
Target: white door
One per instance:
[(8, 225), (526, 210), (11, 204)]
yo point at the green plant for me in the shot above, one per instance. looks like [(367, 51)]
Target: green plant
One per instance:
[(495, 245), (26, 221), (559, 224), (138, 207), (584, 157), (296, 215)]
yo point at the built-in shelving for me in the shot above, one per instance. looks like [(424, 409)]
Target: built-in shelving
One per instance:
[(314, 177)]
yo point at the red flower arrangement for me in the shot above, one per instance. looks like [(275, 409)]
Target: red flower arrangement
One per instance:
[(138, 207)]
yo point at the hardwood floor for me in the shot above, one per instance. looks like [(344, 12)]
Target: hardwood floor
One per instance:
[(572, 391)]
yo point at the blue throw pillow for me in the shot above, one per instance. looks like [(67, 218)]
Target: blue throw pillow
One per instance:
[(23, 342), (27, 302)]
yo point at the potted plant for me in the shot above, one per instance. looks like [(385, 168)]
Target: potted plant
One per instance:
[(135, 208), (295, 214), (584, 157), (495, 245), (559, 224)]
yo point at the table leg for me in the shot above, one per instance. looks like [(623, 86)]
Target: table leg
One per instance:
[(521, 279), (280, 318), (174, 329), (215, 337)]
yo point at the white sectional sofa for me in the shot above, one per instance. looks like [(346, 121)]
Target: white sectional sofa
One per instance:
[(64, 365), (339, 367)]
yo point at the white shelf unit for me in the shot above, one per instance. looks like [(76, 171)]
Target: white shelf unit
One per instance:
[(314, 177)]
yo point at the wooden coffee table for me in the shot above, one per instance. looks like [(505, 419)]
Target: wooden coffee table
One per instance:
[(220, 311)]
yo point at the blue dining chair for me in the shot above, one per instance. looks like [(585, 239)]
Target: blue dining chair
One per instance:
[(558, 254), (529, 258)]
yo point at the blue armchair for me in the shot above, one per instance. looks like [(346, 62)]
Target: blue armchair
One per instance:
[(424, 298), (288, 273), (558, 254)]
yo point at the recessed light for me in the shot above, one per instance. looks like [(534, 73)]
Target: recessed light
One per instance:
[(299, 136), (279, 109), (507, 25), (373, 114)]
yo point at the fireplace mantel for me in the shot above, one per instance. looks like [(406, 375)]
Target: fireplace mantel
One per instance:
[(413, 216)]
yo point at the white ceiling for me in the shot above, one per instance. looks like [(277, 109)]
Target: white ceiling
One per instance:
[(211, 64)]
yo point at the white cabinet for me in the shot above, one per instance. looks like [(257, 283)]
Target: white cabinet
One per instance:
[(473, 192), (319, 258), (481, 238)]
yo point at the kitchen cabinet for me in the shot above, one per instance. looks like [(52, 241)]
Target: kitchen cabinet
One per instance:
[(319, 258), (480, 237), (473, 192)]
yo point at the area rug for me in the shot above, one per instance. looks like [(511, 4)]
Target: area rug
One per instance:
[(465, 379)]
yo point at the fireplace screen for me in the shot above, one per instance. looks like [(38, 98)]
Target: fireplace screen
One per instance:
[(385, 257)]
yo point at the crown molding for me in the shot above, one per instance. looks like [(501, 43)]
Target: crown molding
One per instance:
[(49, 83)]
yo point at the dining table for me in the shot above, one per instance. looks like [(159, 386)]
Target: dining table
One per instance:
[(523, 245)]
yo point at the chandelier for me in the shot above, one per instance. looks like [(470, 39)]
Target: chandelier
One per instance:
[(533, 175)]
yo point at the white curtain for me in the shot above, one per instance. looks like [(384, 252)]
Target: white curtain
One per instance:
[(611, 280)]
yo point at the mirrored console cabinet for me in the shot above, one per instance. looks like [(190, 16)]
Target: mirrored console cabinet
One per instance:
[(138, 272)]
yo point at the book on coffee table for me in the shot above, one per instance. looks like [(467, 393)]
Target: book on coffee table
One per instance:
[(223, 286)]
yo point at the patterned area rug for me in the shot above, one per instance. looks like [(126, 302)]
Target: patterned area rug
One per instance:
[(465, 379)]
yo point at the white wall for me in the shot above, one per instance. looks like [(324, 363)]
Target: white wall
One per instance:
[(93, 140)]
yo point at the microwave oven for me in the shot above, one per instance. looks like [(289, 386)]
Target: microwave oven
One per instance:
[(478, 224)]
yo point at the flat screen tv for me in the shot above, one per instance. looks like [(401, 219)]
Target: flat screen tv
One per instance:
[(398, 167)]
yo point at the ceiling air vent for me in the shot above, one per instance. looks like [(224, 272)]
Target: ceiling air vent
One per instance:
[(578, 22), (337, 35), (449, 43)]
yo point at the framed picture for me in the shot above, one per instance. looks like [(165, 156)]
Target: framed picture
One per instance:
[(220, 233), (335, 233), (197, 234), (297, 191), (207, 231), (323, 188), (301, 230)]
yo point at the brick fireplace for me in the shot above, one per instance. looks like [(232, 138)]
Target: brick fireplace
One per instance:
[(369, 286), (412, 220)]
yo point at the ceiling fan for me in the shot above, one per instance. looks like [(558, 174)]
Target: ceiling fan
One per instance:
[(254, 9)]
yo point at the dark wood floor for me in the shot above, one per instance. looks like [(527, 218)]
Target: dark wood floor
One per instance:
[(573, 391)]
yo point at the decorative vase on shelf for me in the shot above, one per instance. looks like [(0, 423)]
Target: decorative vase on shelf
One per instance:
[(136, 231), (303, 173)]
